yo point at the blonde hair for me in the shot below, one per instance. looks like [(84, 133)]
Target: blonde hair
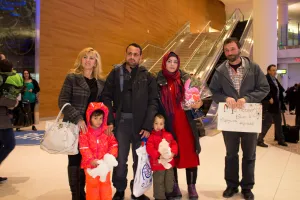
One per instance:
[(78, 68)]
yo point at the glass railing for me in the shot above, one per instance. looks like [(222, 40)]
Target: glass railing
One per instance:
[(152, 53), (184, 46), (289, 36)]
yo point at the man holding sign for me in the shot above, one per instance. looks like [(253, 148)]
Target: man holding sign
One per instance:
[(238, 81)]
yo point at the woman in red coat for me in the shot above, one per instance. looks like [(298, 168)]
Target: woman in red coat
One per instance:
[(179, 122)]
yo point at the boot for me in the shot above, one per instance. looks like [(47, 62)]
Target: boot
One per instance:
[(192, 191), (176, 193), (34, 128), (76, 182)]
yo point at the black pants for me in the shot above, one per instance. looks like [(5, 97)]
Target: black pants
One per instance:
[(7, 143), (125, 136), (76, 177), (191, 175), (268, 118), (32, 105), (248, 143)]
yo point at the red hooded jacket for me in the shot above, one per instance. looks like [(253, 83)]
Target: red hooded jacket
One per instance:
[(152, 148), (95, 143)]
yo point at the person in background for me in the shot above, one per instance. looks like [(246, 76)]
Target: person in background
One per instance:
[(82, 85), (273, 106), (30, 93), (237, 81), (297, 120), (7, 137)]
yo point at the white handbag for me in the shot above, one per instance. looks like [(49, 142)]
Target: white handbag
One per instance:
[(60, 137)]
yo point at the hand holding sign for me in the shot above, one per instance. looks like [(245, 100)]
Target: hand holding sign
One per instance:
[(246, 119)]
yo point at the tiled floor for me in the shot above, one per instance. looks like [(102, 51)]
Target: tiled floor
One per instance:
[(34, 174)]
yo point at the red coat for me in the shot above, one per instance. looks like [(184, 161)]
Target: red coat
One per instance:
[(152, 148), (95, 143)]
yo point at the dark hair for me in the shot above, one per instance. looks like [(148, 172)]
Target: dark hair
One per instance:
[(6, 65), (135, 45), (25, 70), (96, 113), (230, 40), (270, 66), (159, 116)]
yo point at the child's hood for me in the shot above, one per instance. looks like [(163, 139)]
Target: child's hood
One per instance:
[(97, 106)]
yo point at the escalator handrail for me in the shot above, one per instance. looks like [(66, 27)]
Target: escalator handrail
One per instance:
[(199, 34), (247, 27)]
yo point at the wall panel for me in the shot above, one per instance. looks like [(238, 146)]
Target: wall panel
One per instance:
[(68, 26)]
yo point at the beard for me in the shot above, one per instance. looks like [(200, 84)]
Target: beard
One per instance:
[(132, 63), (233, 58)]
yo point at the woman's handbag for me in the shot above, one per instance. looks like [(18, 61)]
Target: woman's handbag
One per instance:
[(60, 137)]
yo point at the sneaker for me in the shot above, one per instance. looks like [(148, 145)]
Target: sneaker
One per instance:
[(261, 144), (3, 179), (192, 191), (119, 195), (230, 191), (248, 195), (143, 197)]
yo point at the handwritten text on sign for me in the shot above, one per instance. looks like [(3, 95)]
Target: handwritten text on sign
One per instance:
[(247, 119)]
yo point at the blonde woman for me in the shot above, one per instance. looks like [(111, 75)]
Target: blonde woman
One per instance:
[(82, 85)]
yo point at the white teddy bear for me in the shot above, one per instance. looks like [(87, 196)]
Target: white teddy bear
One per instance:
[(105, 165), (165, 152)]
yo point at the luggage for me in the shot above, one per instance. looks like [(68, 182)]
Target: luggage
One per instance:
[(291, 133)]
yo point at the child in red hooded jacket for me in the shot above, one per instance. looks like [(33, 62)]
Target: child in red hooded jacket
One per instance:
[(163, 179), (94, 144)]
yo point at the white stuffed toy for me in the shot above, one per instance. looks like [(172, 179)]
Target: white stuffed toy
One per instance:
[(165, 152), (105, 165)]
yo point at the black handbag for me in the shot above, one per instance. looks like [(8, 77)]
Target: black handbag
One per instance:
[(22, 115)]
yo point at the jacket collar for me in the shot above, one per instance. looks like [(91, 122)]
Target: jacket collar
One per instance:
[(81, 81), (224, 70), (161, 80)]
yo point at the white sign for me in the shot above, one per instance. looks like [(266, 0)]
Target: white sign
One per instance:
[(247, 119)]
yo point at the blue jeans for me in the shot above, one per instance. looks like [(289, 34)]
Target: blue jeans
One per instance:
[(7, 143)]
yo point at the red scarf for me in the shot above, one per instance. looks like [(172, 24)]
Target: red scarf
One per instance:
[(178, 86)]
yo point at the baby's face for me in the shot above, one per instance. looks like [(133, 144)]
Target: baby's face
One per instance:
[(159, 124)]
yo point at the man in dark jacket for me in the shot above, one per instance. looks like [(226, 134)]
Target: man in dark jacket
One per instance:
[(238, 81), (7, 137), (273, 106), (130, 92)]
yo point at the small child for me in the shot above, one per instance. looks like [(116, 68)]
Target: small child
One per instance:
[(163, 175), (11, 83), (94, 145)]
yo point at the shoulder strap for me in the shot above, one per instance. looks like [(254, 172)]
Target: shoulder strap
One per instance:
[(120, 71), (121, 78)]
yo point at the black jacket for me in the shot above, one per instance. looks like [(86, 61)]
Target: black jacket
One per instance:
[(278, 103), (76, 91), (144, 98), (161, 81), (36, 87)]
